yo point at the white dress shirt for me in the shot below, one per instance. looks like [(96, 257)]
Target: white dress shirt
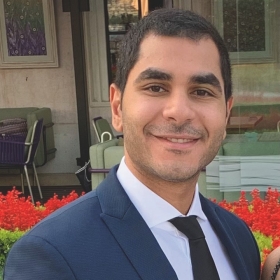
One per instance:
[(156, 212)]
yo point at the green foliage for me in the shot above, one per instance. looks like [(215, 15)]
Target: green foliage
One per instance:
[(264, 242), (7, 239)]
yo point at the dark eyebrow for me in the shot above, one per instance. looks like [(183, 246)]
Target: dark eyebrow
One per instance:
[(207, 78), (153, 74)]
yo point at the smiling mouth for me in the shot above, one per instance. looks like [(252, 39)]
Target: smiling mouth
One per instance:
[(180, 140)]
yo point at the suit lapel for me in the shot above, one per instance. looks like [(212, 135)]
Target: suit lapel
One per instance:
[(227, 238), (131, 232)]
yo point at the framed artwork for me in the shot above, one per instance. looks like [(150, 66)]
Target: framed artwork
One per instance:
[(247, 28), (27, 34)]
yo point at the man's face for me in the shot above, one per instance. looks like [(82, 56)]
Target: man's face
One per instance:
[(173, 113)]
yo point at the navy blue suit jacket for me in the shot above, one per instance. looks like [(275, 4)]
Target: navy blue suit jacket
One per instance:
[(102, 236)]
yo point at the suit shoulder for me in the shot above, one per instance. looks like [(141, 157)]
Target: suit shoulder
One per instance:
[(77, 211)]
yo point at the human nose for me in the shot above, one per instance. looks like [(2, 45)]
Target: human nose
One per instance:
[(179, 108)]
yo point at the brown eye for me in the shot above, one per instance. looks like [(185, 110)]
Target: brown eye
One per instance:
[(156, 89), (202, 93)]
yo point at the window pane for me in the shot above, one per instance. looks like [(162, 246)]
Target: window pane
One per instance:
[(122, 14), (250, 154), (244, 25)]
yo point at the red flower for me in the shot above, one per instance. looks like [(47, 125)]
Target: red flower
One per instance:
[(18, 212), (262, 215)]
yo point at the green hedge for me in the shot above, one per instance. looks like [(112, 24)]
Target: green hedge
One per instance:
[(7, 239), (264, 242)]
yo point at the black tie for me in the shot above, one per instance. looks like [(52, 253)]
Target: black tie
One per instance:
[(203, 265)]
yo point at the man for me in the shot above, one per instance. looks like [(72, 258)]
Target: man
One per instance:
[(171, 99)]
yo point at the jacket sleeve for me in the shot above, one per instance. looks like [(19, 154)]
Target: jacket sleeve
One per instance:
[(34, 258)]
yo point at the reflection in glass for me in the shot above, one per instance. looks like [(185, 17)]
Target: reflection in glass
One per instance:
[(244, 25), (122, 14)]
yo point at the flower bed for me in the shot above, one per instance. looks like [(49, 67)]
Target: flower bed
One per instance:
[(18, 214), (262, 216)]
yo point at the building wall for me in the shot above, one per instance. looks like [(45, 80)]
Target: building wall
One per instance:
[(53, 88), (256, 83)]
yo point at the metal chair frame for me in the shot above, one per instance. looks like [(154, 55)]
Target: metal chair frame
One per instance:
[(16, 153)]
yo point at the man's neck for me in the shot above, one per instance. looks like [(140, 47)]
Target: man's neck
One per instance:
[(178, 194)]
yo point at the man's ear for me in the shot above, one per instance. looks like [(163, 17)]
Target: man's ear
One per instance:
[(229, 107), (115, 100)]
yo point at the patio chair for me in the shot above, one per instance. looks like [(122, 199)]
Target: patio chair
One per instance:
[(103, 156), (102, 129), (17, 151)]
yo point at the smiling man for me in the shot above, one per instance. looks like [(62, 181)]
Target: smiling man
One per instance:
[(174, 108), (173, 114), (171, 100)]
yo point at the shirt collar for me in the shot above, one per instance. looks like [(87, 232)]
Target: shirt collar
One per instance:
[(153, 209)]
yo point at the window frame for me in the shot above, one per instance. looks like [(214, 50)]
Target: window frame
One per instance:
[(266, 56)]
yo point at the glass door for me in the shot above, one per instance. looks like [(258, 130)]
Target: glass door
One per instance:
[(120, 15)]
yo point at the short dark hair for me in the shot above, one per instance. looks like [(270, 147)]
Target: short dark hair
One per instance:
[(172, 23)]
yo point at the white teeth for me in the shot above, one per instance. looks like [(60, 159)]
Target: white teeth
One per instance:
[(181, 140)]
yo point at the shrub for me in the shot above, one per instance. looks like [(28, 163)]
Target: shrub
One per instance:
[(264, 244), (18, 214), (261, 215), (7, 239)]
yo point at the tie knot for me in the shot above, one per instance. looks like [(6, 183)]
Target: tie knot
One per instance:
[(188, 226)]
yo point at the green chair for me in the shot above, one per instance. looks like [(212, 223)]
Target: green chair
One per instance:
[(102, 129), (103, 156)]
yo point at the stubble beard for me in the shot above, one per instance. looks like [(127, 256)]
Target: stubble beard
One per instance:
[(167, 171)]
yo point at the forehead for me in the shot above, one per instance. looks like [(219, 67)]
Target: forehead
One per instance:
[(178, 53)]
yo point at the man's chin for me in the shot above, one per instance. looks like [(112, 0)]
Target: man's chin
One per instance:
[(178, 175)]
